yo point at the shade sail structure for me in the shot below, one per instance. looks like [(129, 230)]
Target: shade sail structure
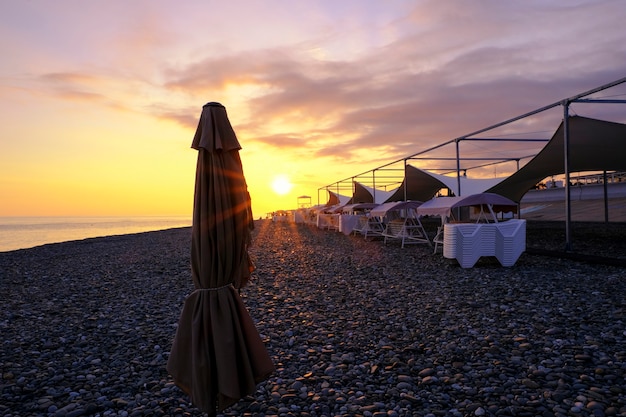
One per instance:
[(365, 194), (361, 194), (383, 209), (443, 206), (469, 186), (217, 355), (595, 145), (422, 185), (335, 199)]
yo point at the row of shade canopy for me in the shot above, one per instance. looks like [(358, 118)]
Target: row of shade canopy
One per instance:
[(438, 206), (594, 145)]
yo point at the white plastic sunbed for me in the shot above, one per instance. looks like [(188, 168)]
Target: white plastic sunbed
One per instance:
[(467, 242)]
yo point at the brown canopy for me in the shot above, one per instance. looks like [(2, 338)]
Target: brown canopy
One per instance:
[(595, 145), (217, 356), (335, 199), (419, 185), (361, 194)]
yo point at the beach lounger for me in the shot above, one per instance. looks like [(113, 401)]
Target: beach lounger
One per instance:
[(510, 241), (368, 226), (360, 225), (373, 227), (408, 230), (438, 239), (328, 221), (467, 242)]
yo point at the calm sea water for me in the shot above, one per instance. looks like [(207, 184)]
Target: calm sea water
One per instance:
[(27, 232)]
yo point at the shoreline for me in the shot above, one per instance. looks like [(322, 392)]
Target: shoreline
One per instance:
[(543, 218), (354, 327), (539, 207), (69, 236)]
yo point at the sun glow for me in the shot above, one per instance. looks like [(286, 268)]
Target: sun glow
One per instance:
[(281, 184)]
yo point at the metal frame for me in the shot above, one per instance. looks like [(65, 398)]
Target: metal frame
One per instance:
[(565, 103)]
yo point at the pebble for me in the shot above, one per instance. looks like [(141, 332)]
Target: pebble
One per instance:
[(355, 327)]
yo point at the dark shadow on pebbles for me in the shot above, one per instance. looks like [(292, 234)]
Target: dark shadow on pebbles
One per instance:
[(354, 328)]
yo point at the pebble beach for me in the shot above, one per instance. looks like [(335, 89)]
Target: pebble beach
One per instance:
[(354, 327)]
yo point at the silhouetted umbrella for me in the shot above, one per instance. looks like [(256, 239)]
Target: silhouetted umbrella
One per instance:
[(217, 356)]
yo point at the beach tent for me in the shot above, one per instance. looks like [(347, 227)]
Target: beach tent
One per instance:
[(422, 185), (595, 145), (443, 206)]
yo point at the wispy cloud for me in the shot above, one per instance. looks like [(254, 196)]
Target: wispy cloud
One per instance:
[(344, 85), (420, 89)]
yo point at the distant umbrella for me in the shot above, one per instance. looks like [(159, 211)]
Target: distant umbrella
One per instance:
[(217, 356)]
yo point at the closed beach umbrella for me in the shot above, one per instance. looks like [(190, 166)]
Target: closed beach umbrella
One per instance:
[(217, 356)]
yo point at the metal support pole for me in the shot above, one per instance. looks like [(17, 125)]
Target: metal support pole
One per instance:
[(406, 183), (519, 203), (458, 168), (353, 183), (568, 208), (606, 200), (373, 186), (458, 176)]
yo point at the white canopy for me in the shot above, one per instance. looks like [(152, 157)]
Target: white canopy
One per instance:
[(365, 194), (382, 209), (469, 186), (356, 207), (422, 185), (442, 206)]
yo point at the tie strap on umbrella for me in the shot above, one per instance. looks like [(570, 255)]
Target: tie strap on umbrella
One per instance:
[(212, 289)]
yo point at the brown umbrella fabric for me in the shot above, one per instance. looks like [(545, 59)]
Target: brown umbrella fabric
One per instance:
[(217, 356)]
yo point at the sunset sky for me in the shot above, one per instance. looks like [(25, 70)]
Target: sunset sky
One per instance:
[(101, 99)]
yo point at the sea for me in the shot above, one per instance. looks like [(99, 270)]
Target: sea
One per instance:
[(27, 232)]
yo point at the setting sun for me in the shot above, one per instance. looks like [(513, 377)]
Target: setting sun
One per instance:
[(281, 185)]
